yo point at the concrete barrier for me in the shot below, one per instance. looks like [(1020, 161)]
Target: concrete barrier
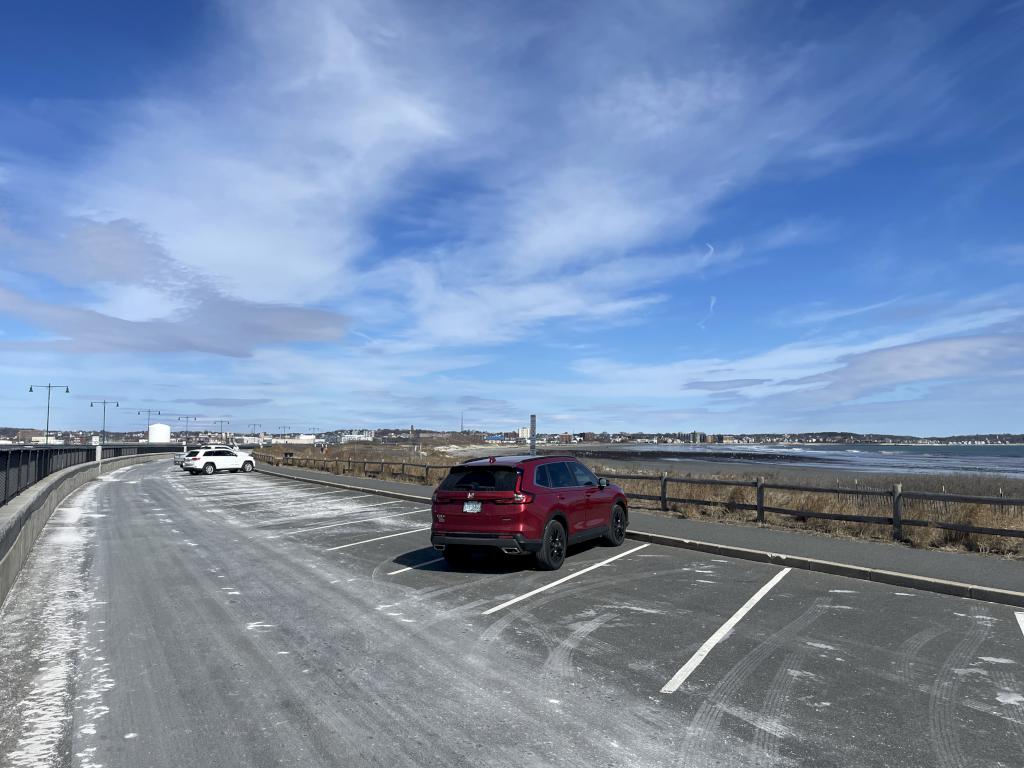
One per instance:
[(22, 519)]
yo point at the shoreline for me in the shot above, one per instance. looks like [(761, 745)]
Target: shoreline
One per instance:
[(772, 467), (985, 484)]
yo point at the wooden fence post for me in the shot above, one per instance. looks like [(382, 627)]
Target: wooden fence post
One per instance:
[(760, 499), (664, 491), (897, 511)]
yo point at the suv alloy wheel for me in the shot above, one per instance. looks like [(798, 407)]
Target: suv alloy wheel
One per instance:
[(552, 552)]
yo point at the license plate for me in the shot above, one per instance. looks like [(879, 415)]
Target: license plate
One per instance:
[(471, 506)]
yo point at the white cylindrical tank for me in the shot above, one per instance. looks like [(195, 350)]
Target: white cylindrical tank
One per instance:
[(159, 433)]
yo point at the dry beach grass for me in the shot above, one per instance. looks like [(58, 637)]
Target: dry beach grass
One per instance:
[(840, 494)]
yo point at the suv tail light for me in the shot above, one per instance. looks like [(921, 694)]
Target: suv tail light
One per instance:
[(517, 498)]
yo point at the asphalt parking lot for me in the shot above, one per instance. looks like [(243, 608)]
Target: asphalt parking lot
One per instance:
[(250, 620)]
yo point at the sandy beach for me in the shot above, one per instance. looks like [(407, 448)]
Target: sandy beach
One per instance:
[(626, 461)]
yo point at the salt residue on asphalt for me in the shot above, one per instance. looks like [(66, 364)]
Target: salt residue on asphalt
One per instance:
[(42, 633)]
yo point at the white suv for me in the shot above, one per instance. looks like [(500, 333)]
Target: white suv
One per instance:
[(210, 460)]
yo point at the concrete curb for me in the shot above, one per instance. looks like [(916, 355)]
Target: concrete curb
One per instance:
[(347, 487), (924, 583), (23, 518)]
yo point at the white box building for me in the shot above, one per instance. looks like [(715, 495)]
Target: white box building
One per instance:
[(159, 433)]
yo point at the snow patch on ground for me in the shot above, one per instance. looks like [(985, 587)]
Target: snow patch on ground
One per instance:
[(42, 636)]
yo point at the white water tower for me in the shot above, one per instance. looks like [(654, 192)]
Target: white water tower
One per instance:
[(159, 433)]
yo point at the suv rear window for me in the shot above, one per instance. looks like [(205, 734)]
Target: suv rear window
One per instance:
[(480, 479), (192, 453)]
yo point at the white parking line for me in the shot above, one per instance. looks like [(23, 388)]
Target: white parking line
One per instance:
[(385, 503), (418, 565), (687, 669), (322, 491), (354, 522), (313, 492), (335, 516), (389, 536), (1020, 620), (537, 591)]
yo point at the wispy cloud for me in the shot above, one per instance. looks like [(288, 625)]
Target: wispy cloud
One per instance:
[(703, 323), (822, 315), (383, 198)]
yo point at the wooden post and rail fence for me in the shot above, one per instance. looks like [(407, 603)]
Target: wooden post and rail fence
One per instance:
[(888, 507)]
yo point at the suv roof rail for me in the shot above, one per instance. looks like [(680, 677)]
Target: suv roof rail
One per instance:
[(515, 459)]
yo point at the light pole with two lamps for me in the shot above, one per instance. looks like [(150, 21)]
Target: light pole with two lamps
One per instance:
[(186, 420), (49, 389), (149, 417), (103, 434)]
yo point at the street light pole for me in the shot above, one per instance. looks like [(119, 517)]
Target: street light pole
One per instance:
[(222, 422), (104, 403), (49, 389), (186, 418), (149, 415)]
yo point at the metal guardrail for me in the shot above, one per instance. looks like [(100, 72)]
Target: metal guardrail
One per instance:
[(22, 466), (891, 506)]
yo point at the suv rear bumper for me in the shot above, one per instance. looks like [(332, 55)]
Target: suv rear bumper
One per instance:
[(515, 544)]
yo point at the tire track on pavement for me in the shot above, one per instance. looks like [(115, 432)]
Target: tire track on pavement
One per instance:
[(942, 703), (701, 745)]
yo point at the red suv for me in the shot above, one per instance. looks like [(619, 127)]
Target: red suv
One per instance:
[(524, 504)]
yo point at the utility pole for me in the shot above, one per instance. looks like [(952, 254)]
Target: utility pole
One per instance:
[(49, 389), (284, 428), (186, 419), (252, 428), (149, 415), (104, 403), (462, 422)]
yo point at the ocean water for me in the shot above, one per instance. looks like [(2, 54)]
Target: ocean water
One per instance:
[(995, 459)]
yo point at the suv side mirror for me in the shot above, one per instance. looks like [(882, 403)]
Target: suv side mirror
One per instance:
[(602, 482)]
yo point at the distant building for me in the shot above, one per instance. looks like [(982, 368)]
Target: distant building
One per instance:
[(159, 433), (41, 440)]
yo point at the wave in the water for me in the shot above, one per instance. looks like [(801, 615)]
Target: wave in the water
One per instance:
[(988, 459)]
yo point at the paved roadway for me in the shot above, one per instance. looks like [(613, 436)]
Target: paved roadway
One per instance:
[(237, 620)]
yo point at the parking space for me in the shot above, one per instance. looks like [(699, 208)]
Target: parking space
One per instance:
[(675, 656)]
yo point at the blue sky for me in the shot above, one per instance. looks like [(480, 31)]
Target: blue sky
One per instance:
[(645, 216)]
